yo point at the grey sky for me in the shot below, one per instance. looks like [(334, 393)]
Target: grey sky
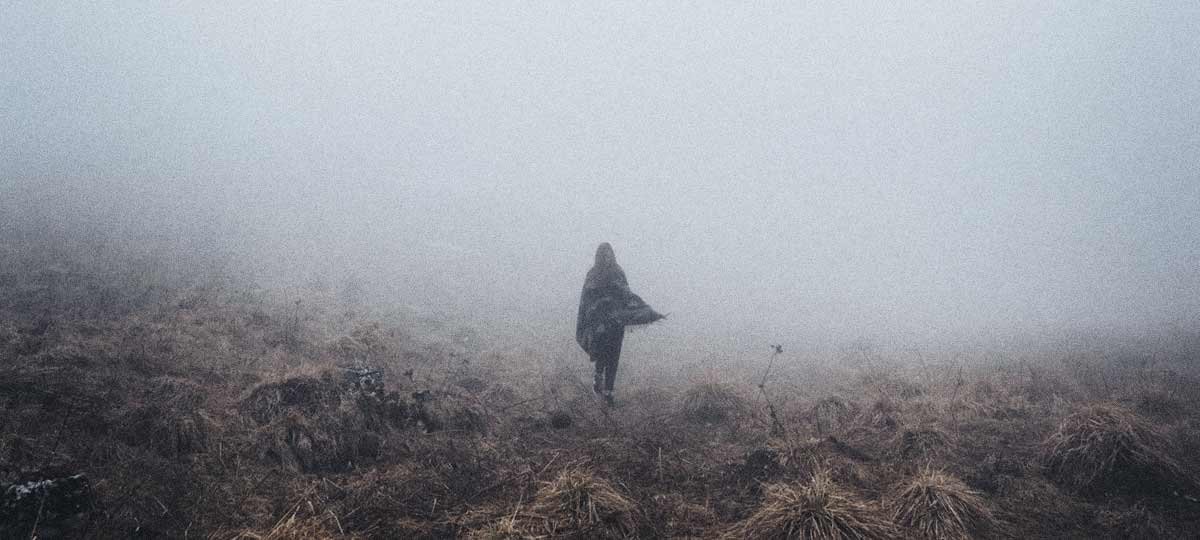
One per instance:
[(808, 170)]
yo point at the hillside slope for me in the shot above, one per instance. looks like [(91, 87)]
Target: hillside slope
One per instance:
[(135, 410)]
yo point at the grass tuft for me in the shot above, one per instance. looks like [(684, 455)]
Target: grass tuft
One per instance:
[(1106, 447), (818, 510), (937, 506), (579, 504)]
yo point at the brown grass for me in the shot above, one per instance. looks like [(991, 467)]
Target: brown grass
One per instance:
[(817, 510), (937, 506), (208, 413), (1107, 447), (579, 504)]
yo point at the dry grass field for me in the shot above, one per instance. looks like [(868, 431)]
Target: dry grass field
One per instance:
[(135, 409)]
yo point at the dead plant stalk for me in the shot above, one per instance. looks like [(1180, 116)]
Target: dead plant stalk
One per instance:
[(776, 425)]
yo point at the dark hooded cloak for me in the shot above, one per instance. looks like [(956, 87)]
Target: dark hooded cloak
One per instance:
[(607, 306), (605, 291)]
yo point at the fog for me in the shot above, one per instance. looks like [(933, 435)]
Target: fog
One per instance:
[(808, 173)]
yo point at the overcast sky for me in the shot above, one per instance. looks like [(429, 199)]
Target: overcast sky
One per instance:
[(814, 170)]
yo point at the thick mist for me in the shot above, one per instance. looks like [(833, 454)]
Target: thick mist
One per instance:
[(811, 173)]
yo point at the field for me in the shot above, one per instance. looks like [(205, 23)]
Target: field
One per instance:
[(131, 407)]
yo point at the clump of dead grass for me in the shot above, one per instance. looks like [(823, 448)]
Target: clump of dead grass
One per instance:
[(937, 506), (580, 504), (817, 509), (712, 403), (1107, 447)]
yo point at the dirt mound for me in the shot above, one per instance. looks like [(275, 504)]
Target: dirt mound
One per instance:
[(817, 509), (936, 506), (1103, 448)]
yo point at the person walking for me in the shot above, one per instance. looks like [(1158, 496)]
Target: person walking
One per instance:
[(597, 328), (606, 307)]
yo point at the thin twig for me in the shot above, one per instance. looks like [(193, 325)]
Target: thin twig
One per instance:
[(776, 425)]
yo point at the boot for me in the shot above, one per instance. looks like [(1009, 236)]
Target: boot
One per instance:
[(609, 400)]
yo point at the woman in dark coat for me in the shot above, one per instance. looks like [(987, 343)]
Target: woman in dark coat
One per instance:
[(597, 329)]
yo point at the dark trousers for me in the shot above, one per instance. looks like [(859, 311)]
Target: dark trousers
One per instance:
[(606, 354)]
